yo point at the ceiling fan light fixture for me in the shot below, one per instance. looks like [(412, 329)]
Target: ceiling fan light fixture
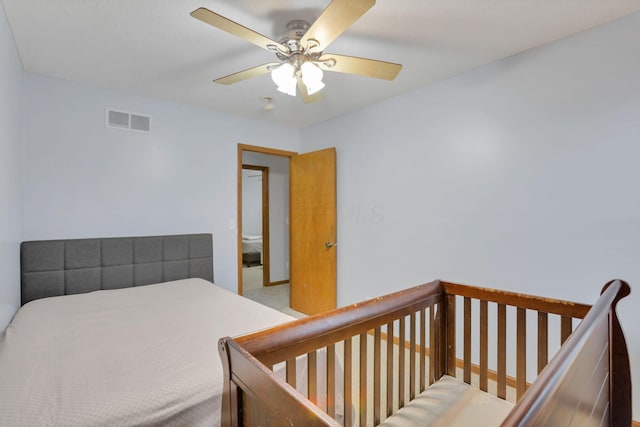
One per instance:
[(284, 78), (301, 50), (312, 77), (289, 88)]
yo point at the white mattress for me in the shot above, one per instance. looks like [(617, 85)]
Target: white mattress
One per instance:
[(137, 356), (450, 402), (252, 246)]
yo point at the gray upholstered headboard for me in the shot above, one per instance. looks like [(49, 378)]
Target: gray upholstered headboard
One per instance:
[(61, 267)]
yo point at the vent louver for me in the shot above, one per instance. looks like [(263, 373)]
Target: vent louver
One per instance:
[(125, 120)]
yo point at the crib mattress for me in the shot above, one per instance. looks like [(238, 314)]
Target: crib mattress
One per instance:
[(452, 403)]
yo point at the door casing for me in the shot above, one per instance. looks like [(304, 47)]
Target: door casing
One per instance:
[(262, 150)]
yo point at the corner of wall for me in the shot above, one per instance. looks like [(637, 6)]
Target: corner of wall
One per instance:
[(12, 140)]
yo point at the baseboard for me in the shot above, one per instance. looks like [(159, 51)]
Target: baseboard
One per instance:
[(279, 282), (475, 369)]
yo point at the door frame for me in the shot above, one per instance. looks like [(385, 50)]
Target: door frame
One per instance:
[(264, 171), (262, 150)]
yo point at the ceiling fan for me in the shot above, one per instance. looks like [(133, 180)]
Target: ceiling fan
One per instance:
[(300, 52)]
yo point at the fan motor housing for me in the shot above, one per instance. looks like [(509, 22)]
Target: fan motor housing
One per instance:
[(291, 38)]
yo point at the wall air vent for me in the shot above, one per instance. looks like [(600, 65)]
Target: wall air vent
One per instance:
[(126, 120)]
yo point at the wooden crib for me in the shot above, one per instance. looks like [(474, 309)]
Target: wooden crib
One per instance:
[(377, 356)]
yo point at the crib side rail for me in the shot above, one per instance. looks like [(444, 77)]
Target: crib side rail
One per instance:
[(489, 319), (588, 382), (359, 363)]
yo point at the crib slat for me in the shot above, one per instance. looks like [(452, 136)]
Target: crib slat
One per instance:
[(331, 380), (401, 371), (348, 397), (312, 377), (467, 340), (423, 343), (451, 335), (521, 353), (291, 372), (441, 337), (484, 345), (362, 361), (389, 369), (565, 328), (377, 361), (432, 345), (502, 351), (543, 340), (412, 356)]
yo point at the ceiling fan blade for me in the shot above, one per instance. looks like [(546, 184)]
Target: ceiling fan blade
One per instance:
[(334, 20), (308, 99), (231, 27), (246, 74), (362, 66)]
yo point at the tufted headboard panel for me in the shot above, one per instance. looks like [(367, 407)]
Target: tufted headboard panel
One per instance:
[(62, 267)]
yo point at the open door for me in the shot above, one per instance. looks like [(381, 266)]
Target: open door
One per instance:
[(313, 231)]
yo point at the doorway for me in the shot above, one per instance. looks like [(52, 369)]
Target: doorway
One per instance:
[(264, 229), (310, 223), (255, 223)]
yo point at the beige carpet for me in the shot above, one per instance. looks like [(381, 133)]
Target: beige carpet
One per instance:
[(273, 296)]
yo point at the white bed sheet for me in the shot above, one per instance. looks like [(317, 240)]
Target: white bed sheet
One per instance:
[(252, 246), (136, 356)]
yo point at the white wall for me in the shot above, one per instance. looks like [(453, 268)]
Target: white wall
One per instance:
[(11, 115), (85, 180), (520, 175), (278, 211)]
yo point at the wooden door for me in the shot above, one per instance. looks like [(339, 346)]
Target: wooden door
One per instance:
[(313, 231)]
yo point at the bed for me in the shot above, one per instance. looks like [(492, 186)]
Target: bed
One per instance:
[(120, 331), (251, 249), (440, 354)]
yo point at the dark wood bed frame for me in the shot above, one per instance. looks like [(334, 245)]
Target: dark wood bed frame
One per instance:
[(587, 382)]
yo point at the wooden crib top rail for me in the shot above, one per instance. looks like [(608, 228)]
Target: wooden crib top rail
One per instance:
[(280, 343), (302, 336), (514, 299)]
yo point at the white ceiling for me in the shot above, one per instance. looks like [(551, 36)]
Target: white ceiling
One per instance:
[(155, 48)]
